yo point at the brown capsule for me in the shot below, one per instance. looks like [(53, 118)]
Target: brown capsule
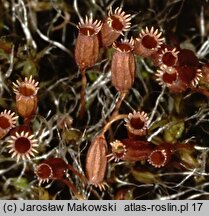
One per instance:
[(123, 67), (166, 76), (130, 150), (137, 124), (137, 150), (96, 161), (52, 168), (189, 75), (87, 43), (169, 76), (26, 97), (165, 55), (148, 42), (187, 57), (114, 25)]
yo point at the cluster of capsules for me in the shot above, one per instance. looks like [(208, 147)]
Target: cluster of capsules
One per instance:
[(134, 148), (22, 141), (176, 68), (137, 148)]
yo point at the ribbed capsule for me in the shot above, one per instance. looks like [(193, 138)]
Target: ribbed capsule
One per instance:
[(113, 26), (87, 43), (123, 67), (96, 161), (26, 96)]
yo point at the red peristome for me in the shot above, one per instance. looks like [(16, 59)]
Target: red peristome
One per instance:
[(44, 172), (118, 151), (137, 124), (165, 55), (160, 156), (149, 42), (169, 78), (116, 23), (169, 59), (22, 145), (189, 75), (7, 122), (4, 122)]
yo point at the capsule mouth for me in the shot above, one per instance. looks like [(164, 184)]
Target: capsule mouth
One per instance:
[(169, 78), (44, 172), (29, 87), (158, 158), (7, 120), (137, 123), (4, 122), (149, 42), (169, 59), (119, 20), (124, 47), (27, 90), (22, 145), (116, 23), (88, 31), (118, 151), (89, 27), (150, 39)]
